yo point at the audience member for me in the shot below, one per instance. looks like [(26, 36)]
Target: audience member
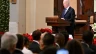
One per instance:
[(26, 45), (41, 40), (50, 50), (0, 40), (87, 38), (34, 46), (44, 43), (19, 45), (74, 47), (8, 41), (20, 42), (66, 35), (60, 40), (47, 40)]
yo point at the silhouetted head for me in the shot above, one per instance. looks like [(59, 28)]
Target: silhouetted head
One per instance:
[(60, 39), (66, 35), (46, 40), (36, 35), (20, 42), (74, 47), (87, 37), (26, 42)]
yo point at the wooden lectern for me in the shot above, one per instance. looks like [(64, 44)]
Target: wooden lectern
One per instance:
[(57, 24), (81, 25)]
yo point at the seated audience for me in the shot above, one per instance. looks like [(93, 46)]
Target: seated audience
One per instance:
[(47, 40), (26, 45), (87, 38), (66, 35), (60, 40), (19, 45), (34, 46), (4, 51), (74, 47), (9, 41)]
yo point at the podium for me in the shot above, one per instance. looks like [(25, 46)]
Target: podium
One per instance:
[(57, 24)]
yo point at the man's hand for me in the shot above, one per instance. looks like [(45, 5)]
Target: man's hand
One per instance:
[(63, 18)]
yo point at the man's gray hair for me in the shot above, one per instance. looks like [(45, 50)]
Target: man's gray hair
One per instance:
[(8, 40)]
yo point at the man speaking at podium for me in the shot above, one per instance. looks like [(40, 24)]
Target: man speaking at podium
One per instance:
[(68, 14)]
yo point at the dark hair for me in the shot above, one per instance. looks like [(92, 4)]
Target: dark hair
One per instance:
[(0, 40), (60, 39), (87, 36), (74, 47), (26, 41), (4, 51), (48, 39), (66, 35), (20, 42), (50, 50), (36, 34)]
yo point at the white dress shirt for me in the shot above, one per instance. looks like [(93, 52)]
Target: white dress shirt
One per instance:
[(26, 51), (66, 11), (36, 41)]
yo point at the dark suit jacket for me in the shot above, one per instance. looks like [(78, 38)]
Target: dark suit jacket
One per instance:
[(93, 47), (17, 51), (4, 51), (87, 50), (70, 14), (49, 50), (34, 47)]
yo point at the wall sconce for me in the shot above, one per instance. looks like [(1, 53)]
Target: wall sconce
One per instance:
[(13, 1)]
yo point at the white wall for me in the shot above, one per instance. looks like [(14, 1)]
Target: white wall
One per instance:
[(73, 4), (30, 15), (18, 16), (44, 8), (36, 12), (22, 16), (14, 10)]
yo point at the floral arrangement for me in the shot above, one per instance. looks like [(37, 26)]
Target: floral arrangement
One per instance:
[(28, 36), (46, 30), (1, 33), (94, 39), (94, 29)]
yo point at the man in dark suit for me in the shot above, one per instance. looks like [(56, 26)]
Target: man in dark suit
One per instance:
[(87, 38), (68, 14), (47, 43), (34, 46)]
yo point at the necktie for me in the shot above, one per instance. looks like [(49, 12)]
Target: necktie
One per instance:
[(65, 11)]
